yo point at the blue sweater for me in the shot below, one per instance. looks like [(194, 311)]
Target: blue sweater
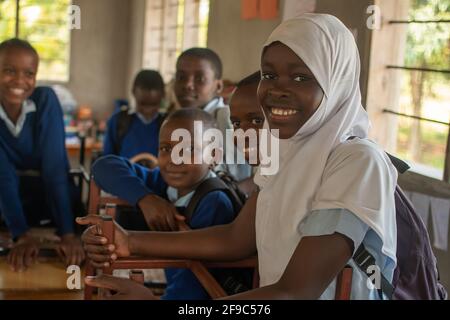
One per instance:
[(140, 137), (41, 147), (132, 182)]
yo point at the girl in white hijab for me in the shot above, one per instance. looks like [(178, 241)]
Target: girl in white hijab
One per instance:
[(330, 194)]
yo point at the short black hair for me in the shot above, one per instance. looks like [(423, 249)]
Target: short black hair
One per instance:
[(149, 80), (206, 54), (254, 78), (17, 43), (193, 114)]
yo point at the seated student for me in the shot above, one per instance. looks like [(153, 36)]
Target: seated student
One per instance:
[(168, 187), (330, 194), (32, 138), (133, 132), (198, 83), (246, 114)]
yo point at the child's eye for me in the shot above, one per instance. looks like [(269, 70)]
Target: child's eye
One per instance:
[(29, 73), (179, 77), (236, 124), (200, 79), (165, 149), (301, 78), (257, 121), (267, 76), (8, 71)]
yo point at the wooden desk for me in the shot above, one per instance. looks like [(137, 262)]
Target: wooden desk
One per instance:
[(47, 279), (73, 150)]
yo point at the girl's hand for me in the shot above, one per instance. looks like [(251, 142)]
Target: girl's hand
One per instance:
[(124, 289), (98, 250), (71, 250), (23, 254), (159, 213)]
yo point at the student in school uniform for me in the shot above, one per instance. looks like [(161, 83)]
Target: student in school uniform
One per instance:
[(32, 142), (170, 188), (135, 131), (198, 84), (334, 189), (246, 114)]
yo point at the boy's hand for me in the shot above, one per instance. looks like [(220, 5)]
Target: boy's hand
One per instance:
[(98, 250), (125, 289), (23, 254), (159, 213), (71, 250)]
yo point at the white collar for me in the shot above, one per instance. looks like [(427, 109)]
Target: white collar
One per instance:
[(28, 106), (144, 119), (214, 104)]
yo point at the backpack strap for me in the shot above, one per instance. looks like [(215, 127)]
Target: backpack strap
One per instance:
[(400, 165), (123, 124), (364, 259), (161, 118), (207, 186)]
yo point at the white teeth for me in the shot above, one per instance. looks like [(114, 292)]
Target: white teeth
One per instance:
[(283, 111), (17, 91)]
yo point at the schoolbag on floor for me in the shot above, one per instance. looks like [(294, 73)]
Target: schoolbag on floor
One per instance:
[(416, 275)]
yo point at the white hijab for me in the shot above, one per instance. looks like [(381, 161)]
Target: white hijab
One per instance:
[(304, 182)]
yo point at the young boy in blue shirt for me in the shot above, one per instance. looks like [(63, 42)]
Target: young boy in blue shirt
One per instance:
[(168, 187), (133, 132), (198, 84), (32, 139)]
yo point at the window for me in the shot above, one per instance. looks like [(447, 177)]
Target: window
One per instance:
[(173, 26), (44, 23), (416, 74)]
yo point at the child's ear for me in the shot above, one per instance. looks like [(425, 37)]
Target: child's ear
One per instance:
[(219, 86)]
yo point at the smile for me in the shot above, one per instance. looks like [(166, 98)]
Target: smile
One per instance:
[(17, 91), (282, 113)]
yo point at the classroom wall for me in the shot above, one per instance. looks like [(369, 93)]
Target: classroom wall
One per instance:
[(99, 53), (239, 42)]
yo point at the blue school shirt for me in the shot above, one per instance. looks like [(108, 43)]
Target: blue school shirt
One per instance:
[(132, 182), (142, 136), (39, 146), (329, 221)]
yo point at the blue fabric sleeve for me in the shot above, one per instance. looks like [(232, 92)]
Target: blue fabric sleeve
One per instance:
[(214, 209), (10, 204), (54, 162), (110, 134), (120, 177), (329, 221)]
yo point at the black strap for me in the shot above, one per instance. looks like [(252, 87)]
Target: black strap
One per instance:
[(123, 124), (124, 120), (207, 186), (364, 259), (399, 164)]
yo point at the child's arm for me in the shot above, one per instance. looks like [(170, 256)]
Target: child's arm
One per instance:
[(138, 185), (108, 140), (228, 242), (10, 204), (54, 162), (120, 177), (313, 266)]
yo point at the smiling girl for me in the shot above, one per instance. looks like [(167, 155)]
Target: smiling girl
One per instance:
[(330, 194)]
